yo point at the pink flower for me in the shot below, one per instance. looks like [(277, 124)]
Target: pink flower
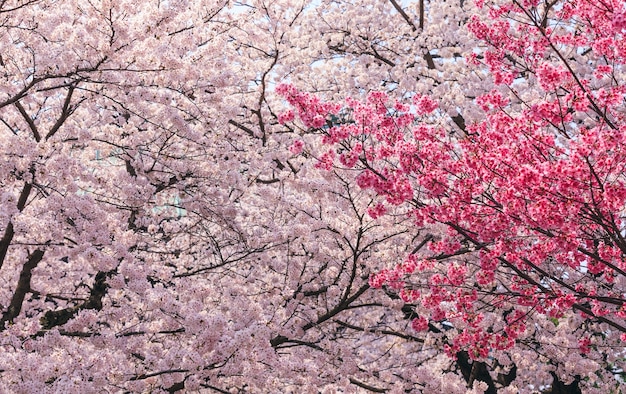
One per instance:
[(438, 314), (550, 77), (325, 162), (583, 345), (619, 21), (424, 104), (376, 211), (296, 147), (286, 116), (419, 324)]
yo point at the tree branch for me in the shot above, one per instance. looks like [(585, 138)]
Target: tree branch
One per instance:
[(9, 232), (23, 287), (27, 118)]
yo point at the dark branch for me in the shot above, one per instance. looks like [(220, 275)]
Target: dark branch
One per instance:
[(23, 287)]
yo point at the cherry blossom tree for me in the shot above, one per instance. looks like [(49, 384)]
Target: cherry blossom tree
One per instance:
[(158, 234), (531, 196), (107, 198), (167, 228)]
